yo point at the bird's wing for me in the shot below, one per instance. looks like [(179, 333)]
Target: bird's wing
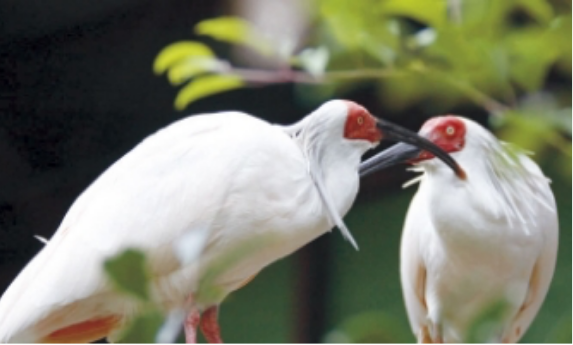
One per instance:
[(167, 186), (543, 269), (412, 267)]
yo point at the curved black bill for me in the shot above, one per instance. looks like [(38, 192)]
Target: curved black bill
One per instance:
[(410, 148), (393, 155)]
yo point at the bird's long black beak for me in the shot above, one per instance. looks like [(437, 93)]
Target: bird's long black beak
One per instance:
[(409, 148)]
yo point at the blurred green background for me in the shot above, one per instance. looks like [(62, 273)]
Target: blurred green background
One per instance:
[(82, 88)]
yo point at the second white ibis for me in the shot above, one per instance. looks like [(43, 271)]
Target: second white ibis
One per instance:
[(486, 241)]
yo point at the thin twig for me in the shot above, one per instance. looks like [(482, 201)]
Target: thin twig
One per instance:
[(455, 11), (488, 103), (291, 76)]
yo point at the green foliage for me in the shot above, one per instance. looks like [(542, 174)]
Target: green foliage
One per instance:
[(485, 326), (370, 327), (205, 86), (538, 124), (142, 329), (176, 53), (129, 274), (190, 68), (561, 334), (236, 31), (443, 53)]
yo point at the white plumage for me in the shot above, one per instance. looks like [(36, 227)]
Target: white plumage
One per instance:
[(468, 244), (225, 178)]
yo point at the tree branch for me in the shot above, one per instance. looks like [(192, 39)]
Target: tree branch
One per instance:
[(455, 11), (291, 76), (255, 76)]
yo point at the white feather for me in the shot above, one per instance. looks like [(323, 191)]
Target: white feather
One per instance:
[(41, 239)]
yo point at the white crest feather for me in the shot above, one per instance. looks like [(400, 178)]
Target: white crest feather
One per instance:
[(308, 133), (509, 172), (41, 239), (416, 179)]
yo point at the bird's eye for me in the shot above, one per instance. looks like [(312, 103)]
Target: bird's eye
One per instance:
[(360, 120), (450, 130)]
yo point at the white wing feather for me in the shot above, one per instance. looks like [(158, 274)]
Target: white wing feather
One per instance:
[(544, 268), (412, 267)]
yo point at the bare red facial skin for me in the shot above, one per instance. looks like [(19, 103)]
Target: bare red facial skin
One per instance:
[(360, 125), (448, 132)]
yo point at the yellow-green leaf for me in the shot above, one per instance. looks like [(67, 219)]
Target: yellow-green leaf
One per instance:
[(189, 68), (561, 29), (174, 53), (234, 30), (128, 273), (532, 54), (206, 86)]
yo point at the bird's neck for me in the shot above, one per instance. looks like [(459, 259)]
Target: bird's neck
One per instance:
[(338, 168), (333, 164)]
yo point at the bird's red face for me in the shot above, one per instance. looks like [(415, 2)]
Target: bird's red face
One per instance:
[(447, 132), (360, 124)]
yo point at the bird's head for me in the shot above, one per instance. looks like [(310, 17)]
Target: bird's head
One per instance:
[(448, 132), (360, 130)]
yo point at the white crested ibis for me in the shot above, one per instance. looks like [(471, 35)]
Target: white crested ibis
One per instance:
[(471, 244)]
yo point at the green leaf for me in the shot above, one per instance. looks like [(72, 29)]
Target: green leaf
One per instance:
[(486, 325), (235, 30), (206, 86), (128, 273), (314, 61), (174, 53), (430, 12), (525, 131), (189, 68), (143, 329), (532, 53), (561, 29), (360, 25)]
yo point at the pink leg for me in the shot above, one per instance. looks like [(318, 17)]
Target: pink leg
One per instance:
[(210, 325), (190, 324)]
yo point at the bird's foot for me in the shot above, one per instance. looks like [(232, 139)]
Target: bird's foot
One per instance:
[(207, 322), (190, 325), (426, 336), (210, 325)]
